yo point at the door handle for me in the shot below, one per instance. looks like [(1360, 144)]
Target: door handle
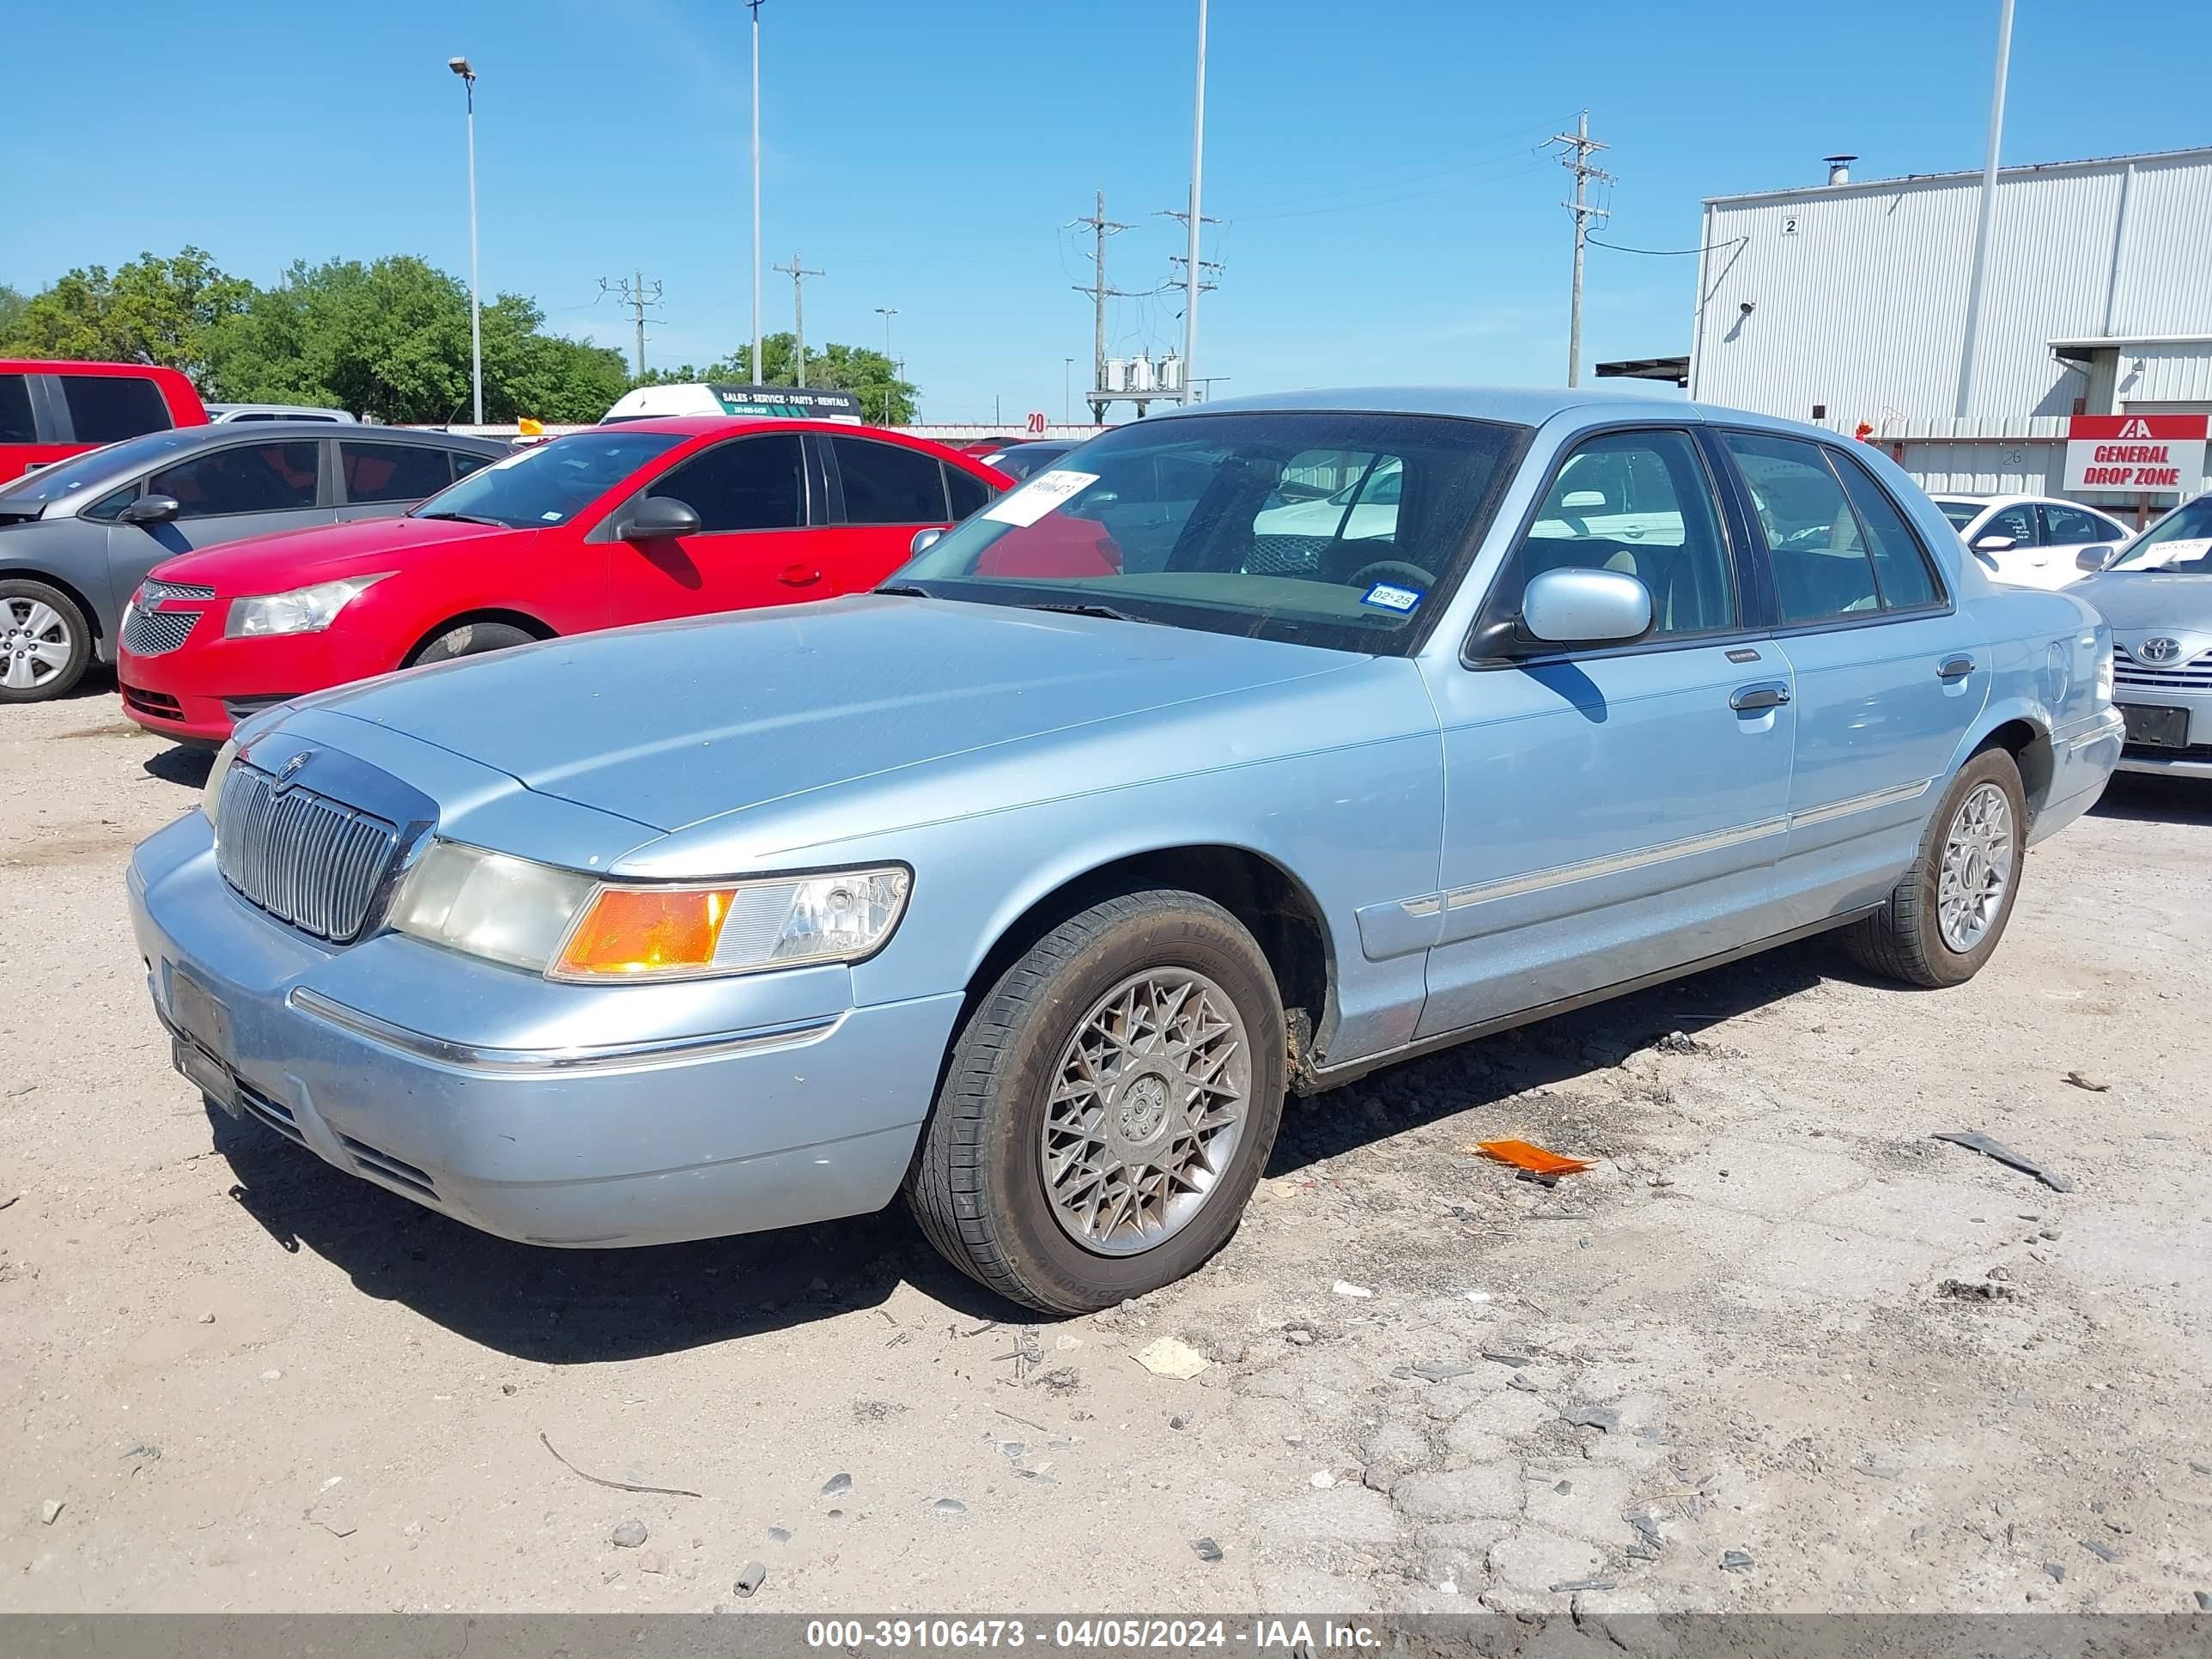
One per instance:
[(1751, 699), (798, 575), (1954, 668)]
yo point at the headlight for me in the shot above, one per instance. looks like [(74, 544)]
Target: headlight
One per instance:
[(211, 796), (577, 929), (302, 610)]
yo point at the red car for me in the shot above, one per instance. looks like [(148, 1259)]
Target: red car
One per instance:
[(634, 523), (50, 411)]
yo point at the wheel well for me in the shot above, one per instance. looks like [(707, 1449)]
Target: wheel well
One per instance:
[(528, 624), (1274, 905), (77, 595), (2030, 748)]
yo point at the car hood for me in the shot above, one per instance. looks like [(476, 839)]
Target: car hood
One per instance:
[(681, 722), (2132, 600), (293, 558)]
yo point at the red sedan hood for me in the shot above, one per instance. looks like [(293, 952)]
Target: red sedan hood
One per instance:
[(293, 558)]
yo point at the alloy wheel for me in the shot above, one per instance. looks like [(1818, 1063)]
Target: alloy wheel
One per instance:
[(1975, 872), (35, 643)]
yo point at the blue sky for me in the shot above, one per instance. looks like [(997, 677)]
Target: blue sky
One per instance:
[(1389, 213)]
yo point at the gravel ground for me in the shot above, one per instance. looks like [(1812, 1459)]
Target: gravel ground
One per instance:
[(1780, 1350)]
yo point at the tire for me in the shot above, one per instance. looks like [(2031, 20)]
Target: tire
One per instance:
[(470, 639), (46, 641), (979, 1182), (1909, 938)]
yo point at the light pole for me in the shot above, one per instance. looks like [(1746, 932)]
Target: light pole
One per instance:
[(1067, 391), (1191, 271), (760, 373), (1989, 205), (460, 67), (887, 312)]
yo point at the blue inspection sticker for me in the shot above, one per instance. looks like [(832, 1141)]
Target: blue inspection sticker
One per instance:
[(1388, 596)]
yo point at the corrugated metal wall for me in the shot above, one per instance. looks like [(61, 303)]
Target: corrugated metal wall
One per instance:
[(1859, 292)]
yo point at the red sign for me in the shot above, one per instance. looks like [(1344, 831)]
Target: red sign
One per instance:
[(1037, 424), (2160, 453)]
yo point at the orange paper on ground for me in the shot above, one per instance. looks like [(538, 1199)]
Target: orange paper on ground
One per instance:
[(1521, 1155)]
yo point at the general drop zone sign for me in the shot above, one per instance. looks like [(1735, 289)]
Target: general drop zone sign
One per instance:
[(2157, 455)]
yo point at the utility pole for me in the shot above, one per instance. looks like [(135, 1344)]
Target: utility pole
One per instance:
[(887, 312), (1988, 209), (634, 294), (760, 374), (799, 274), (1196, 221), (1580, 147), (1101, 227)]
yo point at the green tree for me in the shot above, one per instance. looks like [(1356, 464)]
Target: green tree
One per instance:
[(870, 375), (152, 310), (11, 307)]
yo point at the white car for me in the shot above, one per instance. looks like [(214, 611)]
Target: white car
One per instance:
[(2030, 541)]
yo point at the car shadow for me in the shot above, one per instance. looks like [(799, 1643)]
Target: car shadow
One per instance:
[(583, 1307), (183, 767), (1541, 1055), (2137, 798)]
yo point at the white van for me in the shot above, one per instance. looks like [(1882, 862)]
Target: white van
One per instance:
[(789, 403)]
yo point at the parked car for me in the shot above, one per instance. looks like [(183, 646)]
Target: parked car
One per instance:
[(50, 411), (2029, 541), (225, 414), (2159, 601), (77, 538), (1033, 893), (2185, 533), (636, 522), (1026, 461)]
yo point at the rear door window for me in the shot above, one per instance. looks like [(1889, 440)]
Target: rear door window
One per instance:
[(273, 477), (1813, 539), (887, 484), (753, 484), (392, 472), (1902, 568), (16, 426), (2066, 527), (105, 407)]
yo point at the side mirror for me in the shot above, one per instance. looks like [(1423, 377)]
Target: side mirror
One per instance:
[(924, 540), (2093, 559), (659, 518), (1995, 543), (1586, 607), (150, 509)]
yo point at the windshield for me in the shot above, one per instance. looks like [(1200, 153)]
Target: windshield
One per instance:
[(549, 484), (1225, 523), (98, 466), (2182, 540), (1960, 513)]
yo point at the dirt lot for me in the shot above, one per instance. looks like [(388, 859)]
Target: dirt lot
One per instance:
[(252, 1382)]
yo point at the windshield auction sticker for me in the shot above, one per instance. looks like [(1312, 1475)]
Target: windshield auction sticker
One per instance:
[(1025, 506)]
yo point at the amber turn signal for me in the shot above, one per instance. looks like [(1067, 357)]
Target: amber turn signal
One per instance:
[(638, 932)]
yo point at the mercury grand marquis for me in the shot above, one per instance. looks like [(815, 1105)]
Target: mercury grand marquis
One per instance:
[(1031, 882)]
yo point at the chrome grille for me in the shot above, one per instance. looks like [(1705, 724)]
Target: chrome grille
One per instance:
[(303, 858), (2195, 675), (147, 632)]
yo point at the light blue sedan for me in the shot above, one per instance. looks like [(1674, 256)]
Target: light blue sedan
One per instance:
[(1031, 882)]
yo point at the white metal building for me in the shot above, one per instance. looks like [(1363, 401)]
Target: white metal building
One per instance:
[(1847, 302)]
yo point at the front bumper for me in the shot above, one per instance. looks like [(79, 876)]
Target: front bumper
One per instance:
[(533, 1112), (2193, 762), (199, 691)]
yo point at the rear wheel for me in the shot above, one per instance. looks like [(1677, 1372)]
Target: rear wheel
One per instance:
[(44, 641), (1944, 920), (470, 639), (1109, 1106)]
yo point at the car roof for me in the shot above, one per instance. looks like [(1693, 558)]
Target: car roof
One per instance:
[(1514, 405)]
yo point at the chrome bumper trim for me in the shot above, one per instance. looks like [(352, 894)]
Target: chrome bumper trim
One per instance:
[(537, 1062)]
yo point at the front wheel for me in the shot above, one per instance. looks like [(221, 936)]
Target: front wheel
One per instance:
[(44, 641), (1944, 920), (470, 639), (1109, 1106)]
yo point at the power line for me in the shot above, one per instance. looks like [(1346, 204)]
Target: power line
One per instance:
[(633, 296), (1669, 253)]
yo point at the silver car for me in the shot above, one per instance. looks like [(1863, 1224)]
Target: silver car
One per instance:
[(2159, 601), (78, 537)]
